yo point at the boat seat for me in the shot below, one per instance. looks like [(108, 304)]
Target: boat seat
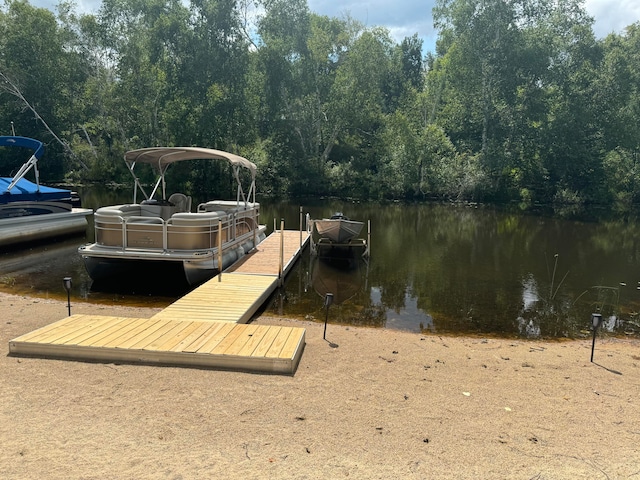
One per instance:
[(131, 210), (119, 210), (202, 218), (181, 201), (228, 206)]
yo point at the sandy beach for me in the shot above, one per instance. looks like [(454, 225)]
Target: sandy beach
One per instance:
[(366, 404)]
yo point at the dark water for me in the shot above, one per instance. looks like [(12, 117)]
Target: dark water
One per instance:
[(439, 268)]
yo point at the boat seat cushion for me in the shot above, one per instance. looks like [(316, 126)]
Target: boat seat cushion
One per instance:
[(132, 210), (119, 210), (190, 219), (228, 206)]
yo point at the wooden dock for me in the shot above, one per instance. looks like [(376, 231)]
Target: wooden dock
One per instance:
[(205, 328), (234, 298)]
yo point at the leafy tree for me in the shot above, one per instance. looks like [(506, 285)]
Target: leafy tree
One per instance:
[(617, 100), (571, 134), (519, 102), (39, 93), (515, 89), (284, 102)]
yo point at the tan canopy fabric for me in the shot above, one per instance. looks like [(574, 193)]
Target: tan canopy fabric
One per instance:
[(163, 156)]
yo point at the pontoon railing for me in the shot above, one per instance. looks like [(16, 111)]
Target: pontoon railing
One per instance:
[(153, 233)]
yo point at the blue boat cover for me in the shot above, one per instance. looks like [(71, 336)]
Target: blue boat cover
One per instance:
[(25, 190), (28, 191)]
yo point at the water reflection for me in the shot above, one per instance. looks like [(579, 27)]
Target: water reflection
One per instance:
[(342, 277), (462, 269), (39, 269), (405, 318), (440, 268), (530, 298)]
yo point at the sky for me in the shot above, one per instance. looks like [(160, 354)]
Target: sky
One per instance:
[(403, 18)]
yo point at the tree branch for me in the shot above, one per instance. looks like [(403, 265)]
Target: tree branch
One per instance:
[(11, 88)]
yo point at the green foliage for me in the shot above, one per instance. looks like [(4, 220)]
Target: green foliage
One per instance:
[(519, 102), (622, 178), (274, 174)]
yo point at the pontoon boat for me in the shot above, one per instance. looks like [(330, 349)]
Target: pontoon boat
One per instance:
[(30, 211), (164, 229)]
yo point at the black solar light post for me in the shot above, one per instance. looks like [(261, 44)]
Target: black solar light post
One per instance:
[(67, 286), (596, 320), (328, 300)]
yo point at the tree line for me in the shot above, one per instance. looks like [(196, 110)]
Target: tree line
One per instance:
[(519, 102)]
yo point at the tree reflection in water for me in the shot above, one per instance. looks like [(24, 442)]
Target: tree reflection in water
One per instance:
[(483, 270)]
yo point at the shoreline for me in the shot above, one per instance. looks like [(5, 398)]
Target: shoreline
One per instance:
[(379, 403), (102, 304)]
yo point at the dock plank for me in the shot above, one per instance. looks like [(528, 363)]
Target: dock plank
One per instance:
[(67, 332), (235, 347), (41, 332), (291, 345), (155, 335), (237, 298), (139, 325), (211, 330), (172, 340), (227, 341), (254, 341), (266, 342), (93, 332), (198, 333), (266, 258), (167, 336), (215, 338), (278, 343), (149, 329), (115, 332)]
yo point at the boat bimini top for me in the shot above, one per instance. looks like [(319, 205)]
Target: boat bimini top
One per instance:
[(38, 150), (161, 157)]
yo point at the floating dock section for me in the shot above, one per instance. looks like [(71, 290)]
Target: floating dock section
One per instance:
[(205, 328)]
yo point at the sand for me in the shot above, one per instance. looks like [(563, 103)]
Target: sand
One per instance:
[(381, 404)]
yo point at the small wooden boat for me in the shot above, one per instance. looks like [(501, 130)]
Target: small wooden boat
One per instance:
[(30, 211), (338, 228)]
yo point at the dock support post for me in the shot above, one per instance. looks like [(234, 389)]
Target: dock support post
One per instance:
[(281, 261), (219, 250), (255, 228), (301, 225), (309, 231), (366, 250)]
